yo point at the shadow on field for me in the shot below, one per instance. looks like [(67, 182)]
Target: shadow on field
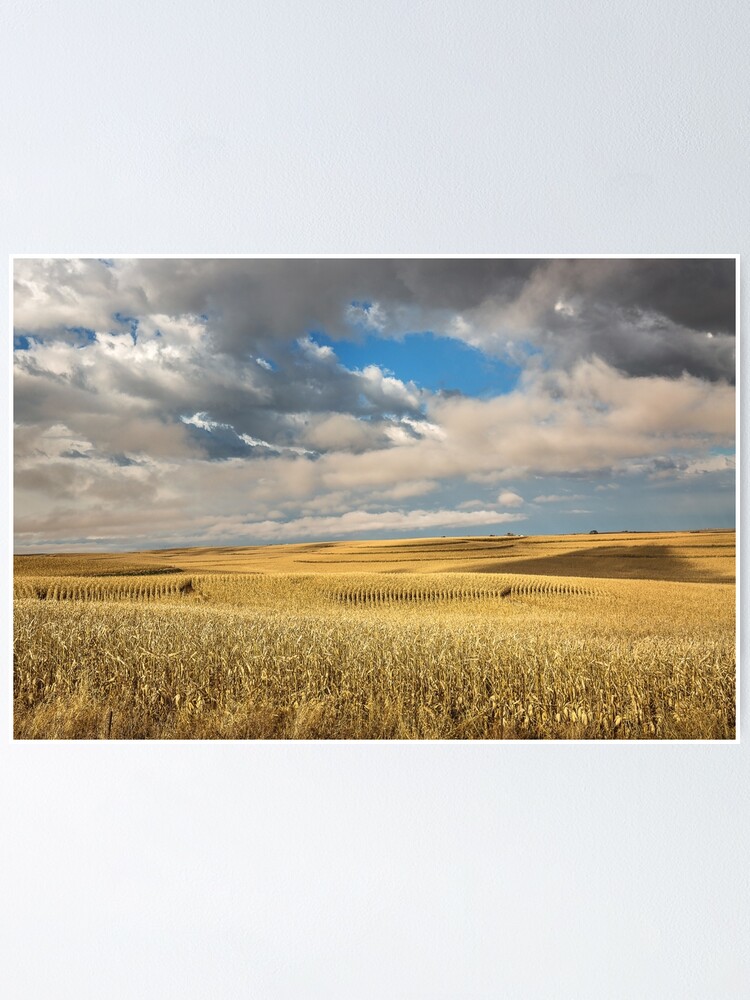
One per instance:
[(620, 562)]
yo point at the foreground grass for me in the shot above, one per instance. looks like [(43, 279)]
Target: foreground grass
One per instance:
[(367, 657)]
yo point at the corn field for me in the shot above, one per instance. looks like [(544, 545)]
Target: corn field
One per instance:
[(371, 656)]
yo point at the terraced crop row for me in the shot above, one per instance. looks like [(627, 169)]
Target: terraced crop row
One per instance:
[(300, 590), (379, 594), (553, 587), (102, 589)]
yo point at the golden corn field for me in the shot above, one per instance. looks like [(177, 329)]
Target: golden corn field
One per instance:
[(626, 636)]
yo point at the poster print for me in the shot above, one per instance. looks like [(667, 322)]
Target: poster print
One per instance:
[(375, 498)]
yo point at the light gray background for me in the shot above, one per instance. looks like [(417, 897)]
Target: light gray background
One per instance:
[(392, 870)]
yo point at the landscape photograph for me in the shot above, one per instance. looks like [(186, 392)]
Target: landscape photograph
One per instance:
[(374, 498)]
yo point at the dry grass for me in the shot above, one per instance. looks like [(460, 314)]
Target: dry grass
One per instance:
[(372, 655)]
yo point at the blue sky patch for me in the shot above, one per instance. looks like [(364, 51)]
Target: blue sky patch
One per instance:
[(85, 334), (432, 362), (24, 341), (130, 321)]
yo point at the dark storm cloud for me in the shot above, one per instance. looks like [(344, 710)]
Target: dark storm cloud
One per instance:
[(642, 315), (259, 300), (698, 294), (262, 298), (637, 343), (646, 317), (259, 297)]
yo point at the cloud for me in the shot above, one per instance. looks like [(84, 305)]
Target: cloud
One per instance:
[(558, 498), (222, 528), (199, 388), (681, 466), (343, 432), (382, 389), (715, 463), (697, 294), (507, 498), (357, 522), (590, 420), (644, 316), (115, 388)]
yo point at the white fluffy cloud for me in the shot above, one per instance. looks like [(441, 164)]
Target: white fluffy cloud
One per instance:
[(507, 498)]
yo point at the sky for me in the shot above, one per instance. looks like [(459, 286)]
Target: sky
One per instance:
[(168, 402)]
